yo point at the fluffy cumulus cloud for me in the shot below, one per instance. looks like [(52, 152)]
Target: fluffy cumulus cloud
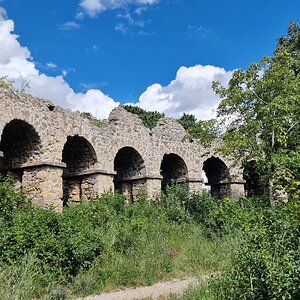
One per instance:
[(94, 7), (16, 64), (190, 92)]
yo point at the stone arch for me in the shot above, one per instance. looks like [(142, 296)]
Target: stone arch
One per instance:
[(218, 177), (78, 176), (254, 185), (130, 172), (20, 145), (173, 169)]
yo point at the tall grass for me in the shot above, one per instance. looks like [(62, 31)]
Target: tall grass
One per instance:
[(266, 257), (108, 244), (101, 245)]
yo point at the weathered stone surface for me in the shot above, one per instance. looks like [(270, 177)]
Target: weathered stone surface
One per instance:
[(57, 156)]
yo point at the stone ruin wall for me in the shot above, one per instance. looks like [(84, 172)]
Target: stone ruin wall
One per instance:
[(46, 177)]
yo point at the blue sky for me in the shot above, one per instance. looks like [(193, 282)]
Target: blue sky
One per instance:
[(161, 54)]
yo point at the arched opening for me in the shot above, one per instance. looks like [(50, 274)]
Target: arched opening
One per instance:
[(20, 144), (130, 171), (218, 177), (254, 182), (79, 157), (173, 170)]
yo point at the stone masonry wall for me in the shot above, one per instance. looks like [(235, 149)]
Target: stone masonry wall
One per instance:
[(53, 126)]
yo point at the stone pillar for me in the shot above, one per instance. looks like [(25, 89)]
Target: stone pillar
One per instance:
[(153, 187), (138, 187), (43, 184), (103, 182), (88, 187), (238, 188), (88, 184), (72, 189), (195, 185)]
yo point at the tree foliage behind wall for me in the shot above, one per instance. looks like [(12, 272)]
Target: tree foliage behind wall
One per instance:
[(5, 83), (149, 118)]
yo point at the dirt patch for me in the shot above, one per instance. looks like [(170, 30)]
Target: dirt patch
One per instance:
[(175, 286)]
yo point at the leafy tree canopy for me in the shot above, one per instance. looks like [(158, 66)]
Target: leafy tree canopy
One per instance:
[(262, 106), (187, 121), (149, 118), (204, 131)]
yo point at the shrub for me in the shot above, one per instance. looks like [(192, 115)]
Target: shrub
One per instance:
[(174, 202), (10, 200), (267, 263)]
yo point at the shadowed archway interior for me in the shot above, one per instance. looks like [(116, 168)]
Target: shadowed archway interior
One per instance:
[(79, 157), (218, 177), (130, 172), (173, 169), (20, 144)]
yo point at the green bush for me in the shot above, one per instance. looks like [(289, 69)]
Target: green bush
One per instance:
[(108, 243), (267, 262), (174, 201), (9, 198)]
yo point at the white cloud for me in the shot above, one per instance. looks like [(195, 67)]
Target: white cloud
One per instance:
[(92, 8), (190, 92), (121, 27), (16, 64), (51, 65), (130, 20), (71, 25)]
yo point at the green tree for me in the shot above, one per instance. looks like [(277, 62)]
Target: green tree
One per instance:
[(203, 130), (187, 121), (149, 118), (262, 106)]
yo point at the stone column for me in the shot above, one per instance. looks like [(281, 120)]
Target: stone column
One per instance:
[(102, 182), (238, 188), (43, 184), (153, 187), (72, 189), (195, 185)]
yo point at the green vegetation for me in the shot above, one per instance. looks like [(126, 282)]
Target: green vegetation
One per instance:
[(266, 262), (5, 83), (107, 244), (101, 245), (149, 118), (94, 121), (263, 106), (204, 131)]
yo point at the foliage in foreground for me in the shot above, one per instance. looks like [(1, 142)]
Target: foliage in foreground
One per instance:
[(108, 244), (266, 255), (102, 245)]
